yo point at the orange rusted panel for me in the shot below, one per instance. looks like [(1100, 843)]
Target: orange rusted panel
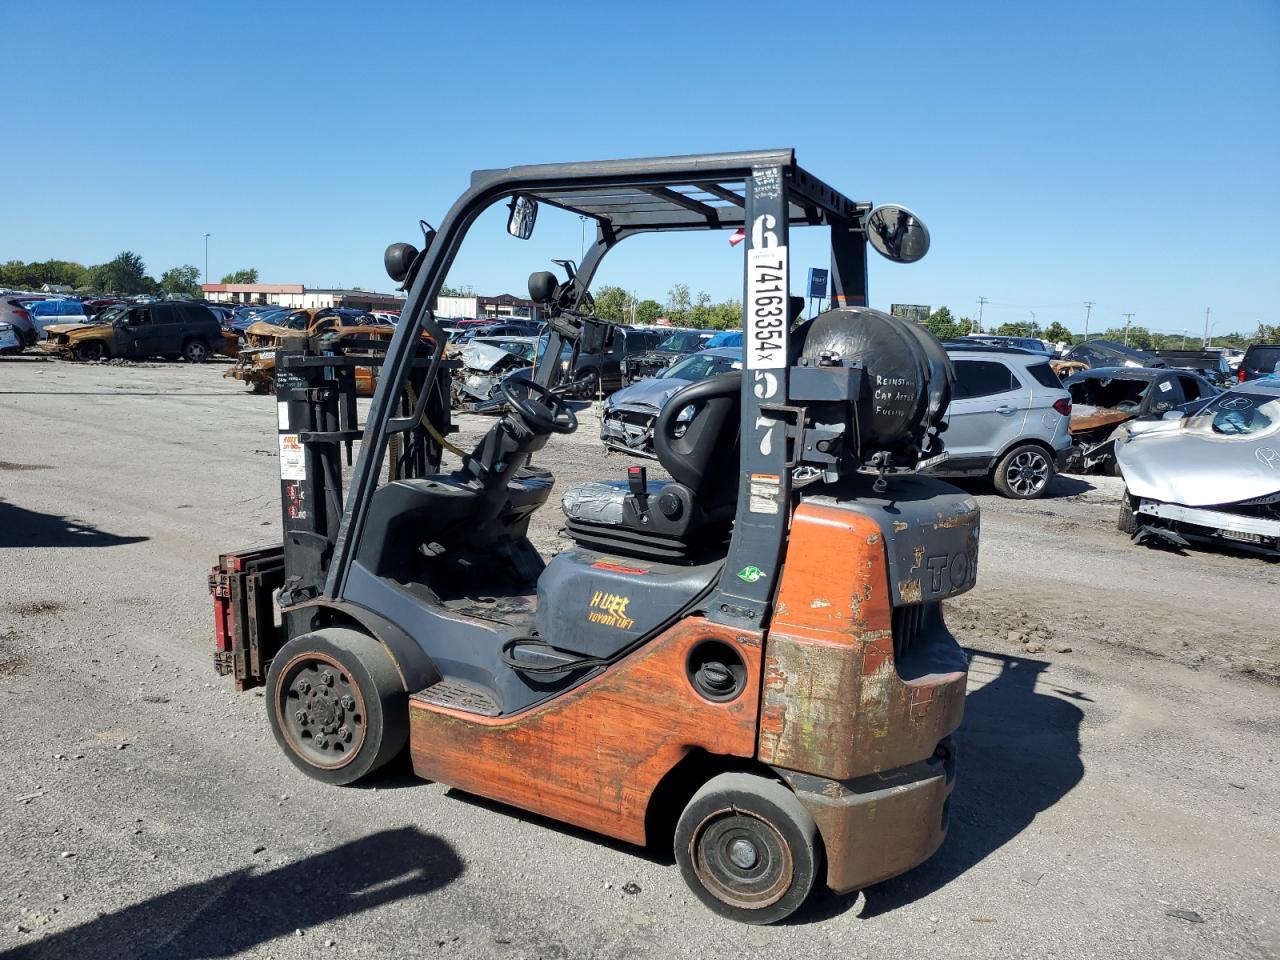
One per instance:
[(593, 756), (1098, 417), (833, 702)]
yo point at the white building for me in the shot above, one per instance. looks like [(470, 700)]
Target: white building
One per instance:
[(295, 295)]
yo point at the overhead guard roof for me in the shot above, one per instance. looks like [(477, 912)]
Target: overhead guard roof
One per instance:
[(699, 192)]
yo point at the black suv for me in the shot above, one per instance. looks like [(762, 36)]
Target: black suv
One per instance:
[(1260, 360), (173, 329), (602, 372)]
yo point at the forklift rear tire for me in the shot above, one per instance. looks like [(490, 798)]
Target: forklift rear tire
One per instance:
[(336, 705), (747, 848)]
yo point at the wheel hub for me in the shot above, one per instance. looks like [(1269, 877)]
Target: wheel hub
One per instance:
[(742, 859), (320, 711), (743, 854)]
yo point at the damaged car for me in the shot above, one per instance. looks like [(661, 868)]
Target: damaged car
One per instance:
[(256, 362), (1104, 399), (1213, 477), (629, 416), (1097, 354), (169, 329), (486, 361), (675, 345)]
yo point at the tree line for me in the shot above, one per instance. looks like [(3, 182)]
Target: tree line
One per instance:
[(945, 326), (682, 309), (124, 275)]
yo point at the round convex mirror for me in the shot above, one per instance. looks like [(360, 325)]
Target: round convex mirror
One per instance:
[(897, 233)]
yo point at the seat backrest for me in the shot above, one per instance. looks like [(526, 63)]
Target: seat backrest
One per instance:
[(704, 457)]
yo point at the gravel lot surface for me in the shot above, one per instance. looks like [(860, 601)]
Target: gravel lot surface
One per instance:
[(1118, 791)]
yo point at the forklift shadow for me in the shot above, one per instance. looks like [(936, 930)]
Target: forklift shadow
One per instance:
[(233, 913), (20, 527), (1019, 753)]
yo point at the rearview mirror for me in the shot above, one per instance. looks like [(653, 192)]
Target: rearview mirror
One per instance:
[(524, 213), (897, 233)]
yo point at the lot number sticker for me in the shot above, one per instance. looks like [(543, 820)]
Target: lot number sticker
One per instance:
[(767, 308), (293, 460)]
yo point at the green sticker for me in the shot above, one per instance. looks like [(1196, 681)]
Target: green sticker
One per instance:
[(750, 574)]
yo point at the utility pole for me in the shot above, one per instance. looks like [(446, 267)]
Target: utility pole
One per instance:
[(1206, 328), (1184, 338), (206, 256), (1088, 309), (982, 301), (1127, 318)]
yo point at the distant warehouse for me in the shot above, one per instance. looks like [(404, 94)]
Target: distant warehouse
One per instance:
[(297, 296)]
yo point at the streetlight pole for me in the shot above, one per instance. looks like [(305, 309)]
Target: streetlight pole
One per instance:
[(1088, 309), (206, 256), (1206, 328)]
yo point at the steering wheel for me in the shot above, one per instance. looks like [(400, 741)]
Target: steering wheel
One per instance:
[(541, 409)]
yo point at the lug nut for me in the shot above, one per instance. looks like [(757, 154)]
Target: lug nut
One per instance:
[(322, 741), (304, 686), (348, 702), (345, 734), (301, 717), (326, 678)]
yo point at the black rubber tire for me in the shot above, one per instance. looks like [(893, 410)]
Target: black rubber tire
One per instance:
[(586, 385), (781, 834), (91, 350), (195, 350), (381, 714), (1128, 520), (1037, 459)]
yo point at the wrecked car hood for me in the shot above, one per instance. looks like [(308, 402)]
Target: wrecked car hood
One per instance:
[(1197, 470), (485, 356), (653, 392), (1085, 417), (56, 329)]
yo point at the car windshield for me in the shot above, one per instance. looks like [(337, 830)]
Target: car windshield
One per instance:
[(700, 366), (1238, 413), (681, 342), (110, 314), (519, 348), (1114, 393)]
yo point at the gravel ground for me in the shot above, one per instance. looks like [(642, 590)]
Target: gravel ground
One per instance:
[(1118, 788)]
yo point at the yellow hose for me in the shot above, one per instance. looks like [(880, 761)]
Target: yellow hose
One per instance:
[(430, 427)]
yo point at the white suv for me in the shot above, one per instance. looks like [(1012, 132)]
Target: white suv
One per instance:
[(1008, 419)]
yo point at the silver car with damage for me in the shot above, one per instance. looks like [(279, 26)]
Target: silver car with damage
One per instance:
[(629, 415), (1213, 476), (487, 361)]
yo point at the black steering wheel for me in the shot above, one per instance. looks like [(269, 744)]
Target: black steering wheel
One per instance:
[(541, 409)]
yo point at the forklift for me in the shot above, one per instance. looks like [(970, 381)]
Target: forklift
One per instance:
[(745, 658)]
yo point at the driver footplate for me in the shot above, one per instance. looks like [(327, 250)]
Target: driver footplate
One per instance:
[(461, 696)]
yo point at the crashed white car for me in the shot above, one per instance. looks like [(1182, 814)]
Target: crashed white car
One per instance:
[(1213, 476), (487, 361)]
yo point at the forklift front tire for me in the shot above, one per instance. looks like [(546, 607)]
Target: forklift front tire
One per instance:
[(336, 705), (747, 848)]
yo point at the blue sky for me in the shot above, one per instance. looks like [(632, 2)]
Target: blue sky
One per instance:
[(1119, 153)]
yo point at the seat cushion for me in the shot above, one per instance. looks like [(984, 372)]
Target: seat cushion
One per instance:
[(601, 501)]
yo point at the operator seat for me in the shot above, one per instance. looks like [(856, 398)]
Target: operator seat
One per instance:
[(683, 519)]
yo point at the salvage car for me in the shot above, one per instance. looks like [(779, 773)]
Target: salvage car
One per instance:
[(256, 361), (1105, 398), (676, 344), (629, 416), (601, 372), (1260, 360), (486, 362), (1214, 477), (1008, 420), (10, 340), (1108, 353), (169, 329)]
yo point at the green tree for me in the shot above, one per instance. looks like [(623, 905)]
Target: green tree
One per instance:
[(184, 279), (247, 275), (462, 291), (31, 276), (612, 304), (943, 326), (1057, 333), (678, 302), (647, 311), (126, 274)]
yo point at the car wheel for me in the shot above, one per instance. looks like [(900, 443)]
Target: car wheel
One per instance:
[(195, 351), (91, 350), (336, 705), (586, 385), (747, 848), (1024, 472), (1128, 520)]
